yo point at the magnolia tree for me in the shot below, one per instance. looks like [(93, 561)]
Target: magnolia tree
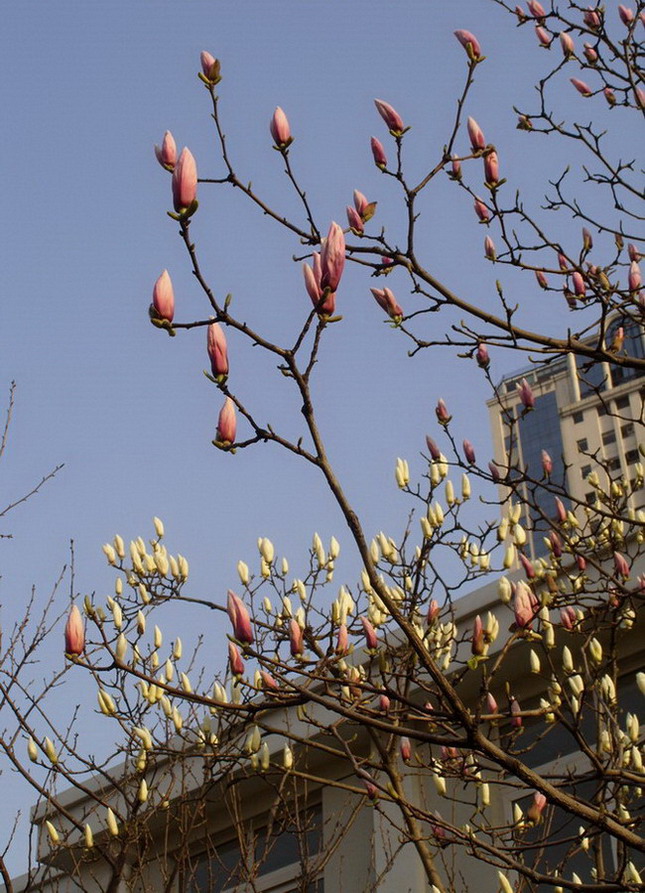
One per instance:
[(452, 728)]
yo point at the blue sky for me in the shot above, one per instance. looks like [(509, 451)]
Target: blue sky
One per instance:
[(87, 89)]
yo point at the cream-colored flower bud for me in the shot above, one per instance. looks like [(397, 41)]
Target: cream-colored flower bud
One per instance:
[(143, 735), (169, 670), (484, 795), (640, 682), (149, 564), (53, 833), (595, 651), (534, 662), (576, 684), (265, 569), (518, 815), (118, 586), (266, 605), (166, 706), (440, 784), (334, 548), (438, 514), (32, 749), (121, 648), (287, 757), (50, 751), (375, 552), (177, 719), (504, 884), (182, 564), (631, 874), (185, 683), (426, 527), (548, 635), (117, 614), (106, 704), (509, 557), (141, 623), (287, 610), (442, 465), (266, 549), (112, 825), (633, 727), (608, 689), (637, 760), (142, 794), (142, 760), (567, 660), (402, 473), (514, 512), (519, 535), (504, 589), (174, 567), (89, 837), (465, 487), (365, 581), (110, 554), (449, 492), (264, 757), (284, 567), (119, 546), (300, 588), (502, 530), (176, 649), (158, 525), (435, 475)]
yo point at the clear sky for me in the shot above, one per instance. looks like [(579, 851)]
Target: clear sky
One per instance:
[(87, 89)]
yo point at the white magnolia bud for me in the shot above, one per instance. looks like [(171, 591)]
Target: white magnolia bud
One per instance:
[(185, 683), (53, 833), (595, 651), (509, 557), (567, 660), (287, 757), (402, 473), (484, 795), (334, 548), (266, 549), (113, 827), (119, 546), (158, 524), (534, 661), (117, 613), (440, 784), (182, 564), (143, 791), (505, 591), (109, 553), (450, 493), (504, 884), (465, 487), (176, 649), (89, 837), (121, 648), (141, 623)]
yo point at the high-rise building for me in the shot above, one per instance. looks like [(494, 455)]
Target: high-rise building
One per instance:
[(586, 416)]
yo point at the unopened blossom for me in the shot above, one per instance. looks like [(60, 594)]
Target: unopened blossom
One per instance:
[(406, 749), (342, 640), (527, 565), (476, 135), (478, 644), (239, 617), (481, 355), (184, 181), (519, 12), (543, 36), (166, 154), (384, 703), (481, 210), (469, 42), (566, 42), (590, 54), (523, 606), (535, 810), (315, 291), (280, 130), (560, 511), (626, 14), (621, 566), (581, 87), (634, 279), (163, 297), (210, 67), (609, 95), (494, 472), (579, 288), (217, 349), (491, 168), (227, 422), (469, 452), (568, 617), (489, 249), (390, 116), (371, 640), (591, 18), (295, 638), (434, 450), (526, 394), (441, 411), (455, 168), (587, 239), (354, 219), (332, 258), (633, 252), (536, 9), (491, 703), (433, 611), (385, 299), (547, 463), (268, 682), (378, 152), (235, 661), (555, 543), (74, 632), (516, 719)]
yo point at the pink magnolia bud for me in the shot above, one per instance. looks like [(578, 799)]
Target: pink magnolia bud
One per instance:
[(239, 617), (591, 18), (562, 262), (618, 340), (523, 606), (581, 562), (226, 423), (633, 252), (481, 356), (470, 43), (441, 410), (626, 15), (390, 116), (184, 181), (210, 67), (634, 279), (621, 565), (385, 299), (566, 42), (167, 154), (516, 710), (526, 563), (370, 789), (491, 704), (268, 682), (280, 130), (568, 617), (332, 258), (371, 640), (163, 297), (217, 349), (380, 158), (491, 168), (560, 511), (295, 638), (384, 703), (481, 210), (535, 810), (406, 749), (469, 452), (587, 239), (74, 632), (235, 661), (360, 202), (536, 9), (590, 54), (609, 95), (526, 394), (314, 290), (435, 452), (489, 249), (519, 12), (494, 472), (354, 219), (342, 640), (581, 87), (476, 135), (449, 754), (556, 544), (543, 36), (547, 463), (455, 167), (433, 611), (578, 283), (478, 645), (640, 93)]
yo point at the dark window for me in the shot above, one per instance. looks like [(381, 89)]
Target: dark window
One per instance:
[(583, 446), (613, 464), (631, 456), (609, 437), (590, 497), (627, 430), (602, 409), (585, 470), (578, 417), (622, 402)]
